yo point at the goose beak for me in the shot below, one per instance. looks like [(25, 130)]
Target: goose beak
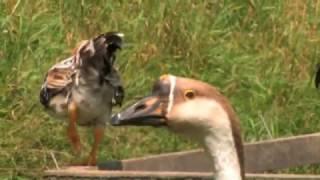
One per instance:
[(146, 112)]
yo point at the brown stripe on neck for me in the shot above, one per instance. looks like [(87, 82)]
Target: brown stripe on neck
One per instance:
[(236, 131), (234, 122)]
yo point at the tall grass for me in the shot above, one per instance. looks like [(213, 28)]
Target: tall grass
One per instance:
[(261, 54)]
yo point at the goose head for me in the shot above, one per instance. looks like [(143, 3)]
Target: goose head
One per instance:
[(194, 109)]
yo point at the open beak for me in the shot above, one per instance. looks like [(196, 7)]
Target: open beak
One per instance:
[(146, 112)]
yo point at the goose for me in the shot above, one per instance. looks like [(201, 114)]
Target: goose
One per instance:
[(196, 110), (84, 87)]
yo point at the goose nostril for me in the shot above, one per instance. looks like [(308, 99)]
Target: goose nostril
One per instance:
[(140, 107)]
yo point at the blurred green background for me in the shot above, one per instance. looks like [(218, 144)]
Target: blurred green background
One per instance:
[(261, 54)]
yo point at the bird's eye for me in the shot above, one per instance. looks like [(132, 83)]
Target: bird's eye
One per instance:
[(189, 94)]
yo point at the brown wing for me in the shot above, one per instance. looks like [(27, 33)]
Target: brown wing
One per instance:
[(58, 80), (60, 75)]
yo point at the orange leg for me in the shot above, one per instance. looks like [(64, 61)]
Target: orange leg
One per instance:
[(72, 130), (98, 135)]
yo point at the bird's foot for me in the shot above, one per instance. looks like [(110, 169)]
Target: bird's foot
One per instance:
[(92, 159), (76, 147), (83, 162)]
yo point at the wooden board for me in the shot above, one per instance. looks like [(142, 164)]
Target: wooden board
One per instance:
[(91, 173), (259, 157), (194, 165), (283, 153)]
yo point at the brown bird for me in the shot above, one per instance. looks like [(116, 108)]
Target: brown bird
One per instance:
[(84, 87), (197, 110)]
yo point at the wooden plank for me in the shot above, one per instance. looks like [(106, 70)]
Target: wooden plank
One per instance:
[(282, 177), (91, 173), (188, 161), (259, 157), (283, 153)]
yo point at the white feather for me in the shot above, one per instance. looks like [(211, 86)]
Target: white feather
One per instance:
[(171, 95)]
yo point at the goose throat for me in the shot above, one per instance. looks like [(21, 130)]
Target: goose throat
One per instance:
[(225, 158)]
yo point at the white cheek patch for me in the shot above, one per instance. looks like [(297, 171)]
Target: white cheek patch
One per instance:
[(204, 112), (171, 95)]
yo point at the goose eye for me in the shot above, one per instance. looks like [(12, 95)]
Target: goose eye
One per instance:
[(189, 94)]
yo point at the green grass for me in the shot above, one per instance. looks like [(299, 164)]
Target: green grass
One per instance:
[(261, 54)]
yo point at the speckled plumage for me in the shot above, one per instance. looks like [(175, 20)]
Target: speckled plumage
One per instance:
[(93, 83), (84, 87)]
